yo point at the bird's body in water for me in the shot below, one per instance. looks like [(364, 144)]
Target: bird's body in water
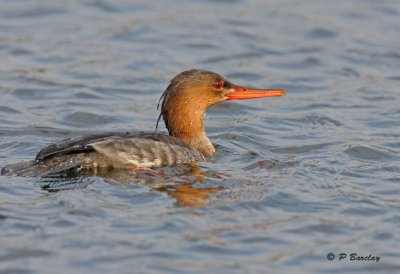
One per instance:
[(183, 106)]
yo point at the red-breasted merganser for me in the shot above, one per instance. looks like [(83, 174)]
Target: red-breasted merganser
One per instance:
[(183, 106)]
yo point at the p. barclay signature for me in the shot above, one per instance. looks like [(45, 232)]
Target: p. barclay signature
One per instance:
[(353, 257)]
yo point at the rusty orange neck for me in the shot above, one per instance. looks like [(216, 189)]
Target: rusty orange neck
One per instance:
[(184, 119)]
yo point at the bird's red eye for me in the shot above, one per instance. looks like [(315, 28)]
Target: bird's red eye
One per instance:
[(218, 85)]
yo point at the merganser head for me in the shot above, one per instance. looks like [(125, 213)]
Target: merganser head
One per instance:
[(188, 96)]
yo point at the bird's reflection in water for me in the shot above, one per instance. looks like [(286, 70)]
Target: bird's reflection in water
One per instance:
[(188, 194), (181, 182)]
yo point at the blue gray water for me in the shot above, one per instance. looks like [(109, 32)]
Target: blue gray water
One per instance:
[(294, 178)]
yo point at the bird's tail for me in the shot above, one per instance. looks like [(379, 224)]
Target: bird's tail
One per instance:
[(25, 169), (34, 169)]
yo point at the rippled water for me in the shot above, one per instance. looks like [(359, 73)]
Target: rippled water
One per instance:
[(294, 178)]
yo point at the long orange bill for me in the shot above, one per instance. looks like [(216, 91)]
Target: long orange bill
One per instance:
[(242, 93)]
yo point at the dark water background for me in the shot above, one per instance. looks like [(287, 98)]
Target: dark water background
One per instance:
[(294, 179)]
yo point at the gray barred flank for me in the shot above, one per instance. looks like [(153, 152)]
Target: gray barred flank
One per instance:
[(165, 156), (106, 151), (145, 152), (170, 155)]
